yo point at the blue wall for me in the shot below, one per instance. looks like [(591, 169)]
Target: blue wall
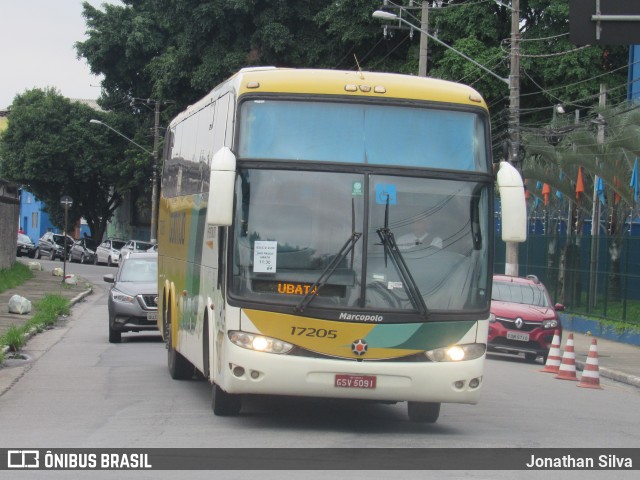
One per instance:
[(33, 220)]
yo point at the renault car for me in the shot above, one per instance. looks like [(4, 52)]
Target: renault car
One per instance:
[(523, 317)]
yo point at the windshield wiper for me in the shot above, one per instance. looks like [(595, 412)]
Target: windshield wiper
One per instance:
[(328, 271), (331, 267), (391, 249)]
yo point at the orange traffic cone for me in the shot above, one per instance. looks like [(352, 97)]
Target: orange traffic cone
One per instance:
[(567, 370), (591, 373), (554, 356)]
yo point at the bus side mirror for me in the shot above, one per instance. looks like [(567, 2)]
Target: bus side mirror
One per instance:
[(221, 185), (512, 200)]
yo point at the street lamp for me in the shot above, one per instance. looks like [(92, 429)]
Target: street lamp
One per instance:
[(154, 180), (98, 122), (382, 15)]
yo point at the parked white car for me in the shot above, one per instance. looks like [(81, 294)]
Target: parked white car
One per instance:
[(134, 246), (109, 252)]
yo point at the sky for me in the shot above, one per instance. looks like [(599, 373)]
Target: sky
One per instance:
[(36, 48)]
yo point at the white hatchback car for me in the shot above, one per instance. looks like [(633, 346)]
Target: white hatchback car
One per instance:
[(109, 252)]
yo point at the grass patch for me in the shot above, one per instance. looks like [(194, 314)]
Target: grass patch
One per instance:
[(14, 338), (47, 310), (14, 276)]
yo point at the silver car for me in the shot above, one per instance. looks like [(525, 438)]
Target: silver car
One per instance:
[(133, 298), (83, 251), (109, 252)]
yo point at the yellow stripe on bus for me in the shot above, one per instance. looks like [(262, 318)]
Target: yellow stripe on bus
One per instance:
[(321, 336)]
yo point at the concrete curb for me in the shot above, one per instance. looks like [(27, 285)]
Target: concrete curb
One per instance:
[(33, 331)]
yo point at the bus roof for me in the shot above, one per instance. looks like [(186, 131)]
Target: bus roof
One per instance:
[(340, 82)]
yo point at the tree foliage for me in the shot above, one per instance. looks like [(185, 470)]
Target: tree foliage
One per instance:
[(51, 149), (180, 49), (175, 51)]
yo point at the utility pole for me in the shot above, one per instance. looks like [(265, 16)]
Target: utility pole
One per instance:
[(511, 260), (424, 25), (595, 211), (155, 177)]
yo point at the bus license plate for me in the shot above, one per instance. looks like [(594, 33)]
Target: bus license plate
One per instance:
[(523, 337), (152, 317), (355, 381)]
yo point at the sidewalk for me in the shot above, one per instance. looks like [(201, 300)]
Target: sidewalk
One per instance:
[(617, 361), (42, 283)]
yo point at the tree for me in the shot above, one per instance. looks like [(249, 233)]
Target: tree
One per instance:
[(555, 155), (51, 148), (180, 50), (552, 69)]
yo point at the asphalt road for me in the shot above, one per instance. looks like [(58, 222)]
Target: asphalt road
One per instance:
[(75, 389)]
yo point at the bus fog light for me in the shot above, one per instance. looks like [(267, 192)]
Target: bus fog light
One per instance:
[(474, 382), (459, 384), (254, 374), (238, 371)]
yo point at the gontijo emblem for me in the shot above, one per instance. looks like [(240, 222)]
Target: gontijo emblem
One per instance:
[(359, 347)]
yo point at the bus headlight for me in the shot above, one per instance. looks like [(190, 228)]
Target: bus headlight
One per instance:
[(456, 353), (259, 343)]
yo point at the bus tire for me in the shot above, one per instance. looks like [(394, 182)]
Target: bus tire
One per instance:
[(179, 367), (423, 412), (225, 404)]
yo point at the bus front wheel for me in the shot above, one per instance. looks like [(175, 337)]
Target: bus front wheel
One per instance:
[(423, 412), (179, 367), (225, 404)]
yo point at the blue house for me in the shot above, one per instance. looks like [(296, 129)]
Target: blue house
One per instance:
[(34, 221)]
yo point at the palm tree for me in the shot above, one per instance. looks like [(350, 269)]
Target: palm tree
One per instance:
[(603, 146)]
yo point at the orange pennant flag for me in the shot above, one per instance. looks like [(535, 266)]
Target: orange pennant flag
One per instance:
[(546, 190), (579, 184)]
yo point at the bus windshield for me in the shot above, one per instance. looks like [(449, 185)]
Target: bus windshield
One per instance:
[(290, 225), (363, 133)]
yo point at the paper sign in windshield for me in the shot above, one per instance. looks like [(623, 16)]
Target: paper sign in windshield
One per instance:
[(264, 256)]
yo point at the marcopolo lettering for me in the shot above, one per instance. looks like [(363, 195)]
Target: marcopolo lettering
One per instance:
[(361, 317)]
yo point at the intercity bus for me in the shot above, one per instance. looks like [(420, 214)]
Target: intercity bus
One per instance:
[(285, 196)]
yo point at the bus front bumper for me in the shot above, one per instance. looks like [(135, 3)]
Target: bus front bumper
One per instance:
[(251, 372)]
